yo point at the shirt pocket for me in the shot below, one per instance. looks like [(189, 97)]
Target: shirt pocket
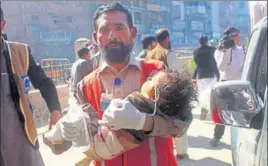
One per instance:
[(105, 101)]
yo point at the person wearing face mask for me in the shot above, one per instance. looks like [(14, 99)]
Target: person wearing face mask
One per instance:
[(118, 75), (162, 51)]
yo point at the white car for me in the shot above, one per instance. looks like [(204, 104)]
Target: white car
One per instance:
[(243, 104)]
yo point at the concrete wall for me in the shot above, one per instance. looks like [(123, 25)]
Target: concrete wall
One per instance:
[(39, 104), (48, 27)]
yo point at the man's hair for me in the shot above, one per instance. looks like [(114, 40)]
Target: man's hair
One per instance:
[(115, 6), (2, 14), (161, 35), (4, 35), (203, 40), (82, 51), (231, 31), (176, 95), (147, 41)]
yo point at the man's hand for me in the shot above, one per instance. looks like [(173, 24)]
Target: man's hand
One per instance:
[(121, 114), (163, 127), (55, 116)]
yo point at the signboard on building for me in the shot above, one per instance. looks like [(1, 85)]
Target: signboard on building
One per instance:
[(153, 7)]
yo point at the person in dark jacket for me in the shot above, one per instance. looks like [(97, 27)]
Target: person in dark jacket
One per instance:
[(206, 66), (16, 149)]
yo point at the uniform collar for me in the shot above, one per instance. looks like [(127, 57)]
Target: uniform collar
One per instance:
[(132, 62)]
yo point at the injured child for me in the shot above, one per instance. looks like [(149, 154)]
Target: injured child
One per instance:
[(166, 93)]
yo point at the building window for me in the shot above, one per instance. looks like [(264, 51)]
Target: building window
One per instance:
[(177, 12), (197, 25), (35, 18), (59, 2), (136, 3), (62, 20), (69, 19), (80, 3), (241, 5), (137, 18)]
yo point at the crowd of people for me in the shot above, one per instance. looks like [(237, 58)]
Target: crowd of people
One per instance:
[(136, 105)]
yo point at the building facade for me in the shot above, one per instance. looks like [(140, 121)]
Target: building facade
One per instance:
[(51, 27), (230, 13), (47, 27), (257, 12)]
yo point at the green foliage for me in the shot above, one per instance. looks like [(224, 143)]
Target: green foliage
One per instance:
[(190, 66)]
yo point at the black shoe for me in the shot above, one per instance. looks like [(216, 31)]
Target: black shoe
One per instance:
[(214, 142), (182, 156)]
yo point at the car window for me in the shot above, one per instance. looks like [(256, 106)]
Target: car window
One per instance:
[(254, 39), (262, 72)]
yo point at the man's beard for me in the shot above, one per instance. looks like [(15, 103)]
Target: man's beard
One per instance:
[(116, 55)]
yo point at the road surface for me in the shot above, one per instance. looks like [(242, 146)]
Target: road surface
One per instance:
[(200, 153)]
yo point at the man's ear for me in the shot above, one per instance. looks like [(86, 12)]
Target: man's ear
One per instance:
[(95, 37), (3, 25), (133, 32), (167, 40)]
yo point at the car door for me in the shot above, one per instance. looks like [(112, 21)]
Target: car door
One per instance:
[(248, 139), (261, 157)]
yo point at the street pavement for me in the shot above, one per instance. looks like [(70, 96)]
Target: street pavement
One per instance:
[(200, 153), (199, 150)]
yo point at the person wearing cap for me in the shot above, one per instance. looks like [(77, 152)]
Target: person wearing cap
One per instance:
[(118, 75), (230, 62), (19, 144)]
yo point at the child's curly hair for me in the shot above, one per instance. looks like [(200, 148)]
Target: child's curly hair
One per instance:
[(176, 95)]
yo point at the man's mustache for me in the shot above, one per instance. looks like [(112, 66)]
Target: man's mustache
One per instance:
[(113, 44)]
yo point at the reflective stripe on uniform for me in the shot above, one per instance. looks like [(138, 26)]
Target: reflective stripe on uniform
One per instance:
[(153, 155)]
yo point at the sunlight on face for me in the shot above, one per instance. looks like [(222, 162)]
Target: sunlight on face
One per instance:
[(113, 26)]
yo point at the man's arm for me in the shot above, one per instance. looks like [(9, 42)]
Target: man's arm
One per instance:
[(80, 72), (121, 114), (214, 65), (47, 89), (196, 62), (215, 68), (222, 59), (172, 60)]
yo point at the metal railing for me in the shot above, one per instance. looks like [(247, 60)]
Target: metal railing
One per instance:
[(60, 74)]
